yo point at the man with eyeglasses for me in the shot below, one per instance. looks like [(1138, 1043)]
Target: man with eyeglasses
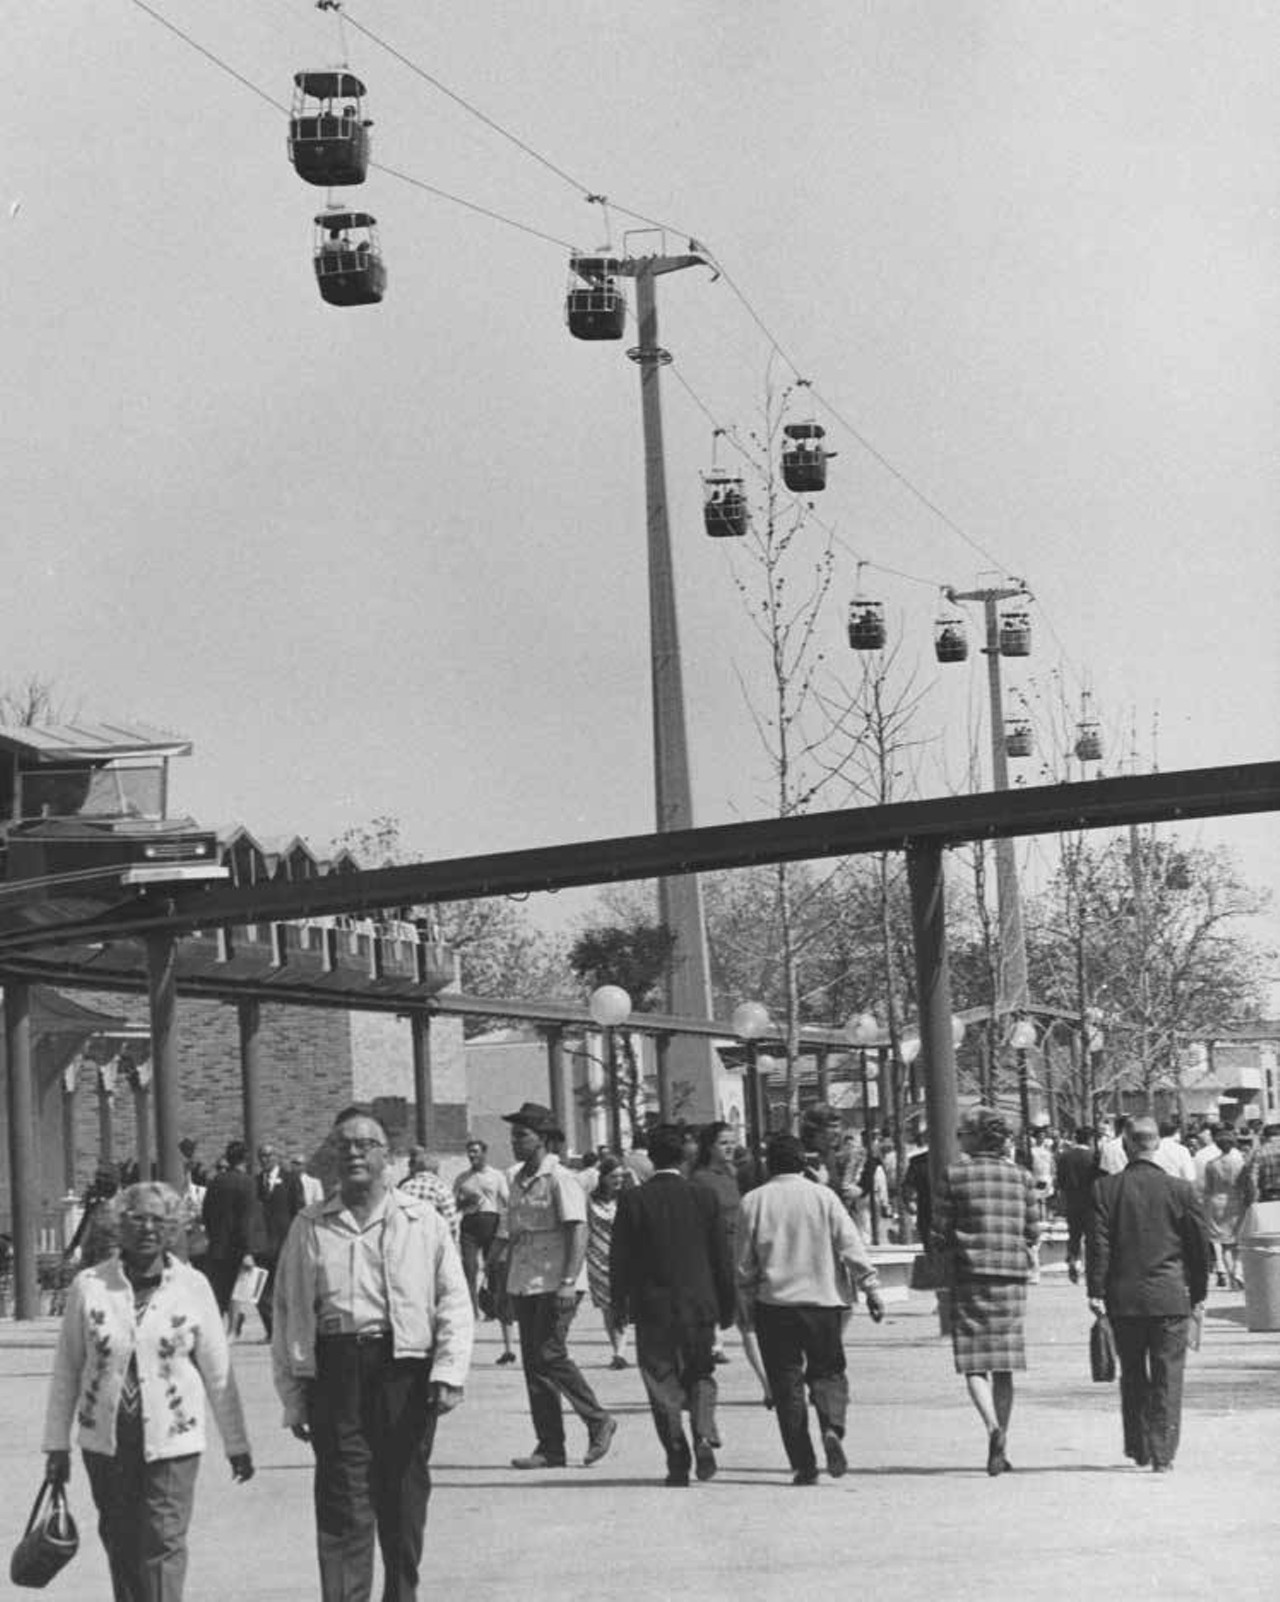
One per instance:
[(372, 1342)]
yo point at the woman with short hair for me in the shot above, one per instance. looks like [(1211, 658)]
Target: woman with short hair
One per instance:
[(986, 1222), (140, 1347)]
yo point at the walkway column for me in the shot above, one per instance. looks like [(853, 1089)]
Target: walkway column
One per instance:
[(69, 1126), (424, 1112), (559, 1083), (666, 1087), (162, 992), (249, 1018), (20, 1087), (933, 978)]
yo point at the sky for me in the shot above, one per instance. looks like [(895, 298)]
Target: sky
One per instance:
[(391, 560)]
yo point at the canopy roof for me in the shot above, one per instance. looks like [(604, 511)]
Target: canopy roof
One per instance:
[(92, 740), (329, 85), (346, 219)]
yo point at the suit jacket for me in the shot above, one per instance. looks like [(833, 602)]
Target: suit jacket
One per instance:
[(233, 1216), (280, 1204), (669, 1259), (987, 1219), (1149, 1250)]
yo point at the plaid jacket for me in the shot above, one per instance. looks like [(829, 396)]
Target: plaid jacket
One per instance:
[(987, 1220)]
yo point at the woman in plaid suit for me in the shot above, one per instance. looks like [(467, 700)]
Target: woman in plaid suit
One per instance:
[(987, 1223)]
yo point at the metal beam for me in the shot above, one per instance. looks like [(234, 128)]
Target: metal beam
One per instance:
[(944, 822)]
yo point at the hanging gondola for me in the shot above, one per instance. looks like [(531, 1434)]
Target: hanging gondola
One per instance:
[(1088, 746), (804, 460), (1015, 634), (724, 507), (328, 132), (950, 641), (866, 625), (1018, 741), (595, 308), (348, 261)]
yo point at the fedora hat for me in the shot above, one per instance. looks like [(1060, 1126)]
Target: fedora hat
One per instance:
[(531, 1115)]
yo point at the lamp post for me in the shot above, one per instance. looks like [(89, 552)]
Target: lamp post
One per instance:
[(750, 1021), (1022, 1039), (909, 1050), (609, 1006), (863, 1031)]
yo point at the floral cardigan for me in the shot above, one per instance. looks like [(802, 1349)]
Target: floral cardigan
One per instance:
[(182, 1354)]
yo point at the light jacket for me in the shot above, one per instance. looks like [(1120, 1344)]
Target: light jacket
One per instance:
[(429, 1305), (797, 1246), (182, 1355)]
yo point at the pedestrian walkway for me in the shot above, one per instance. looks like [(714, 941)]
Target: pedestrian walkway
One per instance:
[(915, 1518)]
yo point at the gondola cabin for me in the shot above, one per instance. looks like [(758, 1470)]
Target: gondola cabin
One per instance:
[(1018, 741), (950, 642), (328, 131), (1015, 634), (1088, 742), (804, 458), (84, 811), (594, 307), (866, 625), (348, 260), (724, 506)]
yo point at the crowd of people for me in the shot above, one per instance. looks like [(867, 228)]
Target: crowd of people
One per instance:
[(369, 1290)]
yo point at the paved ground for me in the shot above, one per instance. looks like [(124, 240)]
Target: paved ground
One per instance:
[(915, 1518)]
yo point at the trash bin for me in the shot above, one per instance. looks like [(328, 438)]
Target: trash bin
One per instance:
[(1260, 1266)]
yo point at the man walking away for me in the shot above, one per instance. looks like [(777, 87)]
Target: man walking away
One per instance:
[(372, 1341), (547, 1229), (280, 1198), (233, 1222), (798, 1250), (1077, 1170), (1149, 1256), (670, 1274)]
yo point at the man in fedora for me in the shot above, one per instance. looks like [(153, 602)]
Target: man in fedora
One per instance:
[(547, 1242)]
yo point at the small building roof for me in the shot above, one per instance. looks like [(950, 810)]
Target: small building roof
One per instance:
[(89, 739)]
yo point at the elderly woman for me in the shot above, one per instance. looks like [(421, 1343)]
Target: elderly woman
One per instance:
[(986, 1221), (602, 1210), (141, 1344)]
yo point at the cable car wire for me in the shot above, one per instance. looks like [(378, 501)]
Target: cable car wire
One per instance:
[(210, 56)]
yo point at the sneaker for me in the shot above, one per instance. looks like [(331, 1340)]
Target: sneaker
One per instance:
[(538, 1460), (837, 1462), (704, 1458), (600, 1440)]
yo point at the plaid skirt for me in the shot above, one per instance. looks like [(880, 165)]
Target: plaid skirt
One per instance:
[(986, 1325)]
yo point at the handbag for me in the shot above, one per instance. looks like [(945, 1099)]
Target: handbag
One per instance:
[(50, 1542), (928, 1271), (1102, 1350)]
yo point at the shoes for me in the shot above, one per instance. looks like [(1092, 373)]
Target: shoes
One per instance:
[(767, 1402), (997, 1462), (677, 1477), (805, 1477), (720, 1356), (618, 1361), (1162, 1468), (1221, 1280), (704, 1459), (507, 1357), (837, 1462), (600, 1440), (1073, 1273), (538, 1460)]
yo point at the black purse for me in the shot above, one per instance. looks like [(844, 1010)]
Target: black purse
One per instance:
[(1102, 1350), (50, 1542)]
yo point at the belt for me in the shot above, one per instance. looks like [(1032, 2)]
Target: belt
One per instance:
[(358, 1337)]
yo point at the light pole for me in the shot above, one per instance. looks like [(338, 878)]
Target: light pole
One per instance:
[(910, 1048), (750, 1021), (609, 1006), (1022, 1040), (863, 1031)]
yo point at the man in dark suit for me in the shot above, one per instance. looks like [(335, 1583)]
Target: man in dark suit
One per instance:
[(280, 1198), (1148, 1269), (233, 1223), (670, 1274)]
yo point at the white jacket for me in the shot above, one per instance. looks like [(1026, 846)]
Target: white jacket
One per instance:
[(182, 1354)]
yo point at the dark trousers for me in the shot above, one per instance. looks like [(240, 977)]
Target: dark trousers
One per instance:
[(802, 1346), (550, 1373), (1077, 1232), (266, 1260), (475, 1236), (372, 1429), (144, 1510), (221, 1273), (1153, 1357), (678, 1370)]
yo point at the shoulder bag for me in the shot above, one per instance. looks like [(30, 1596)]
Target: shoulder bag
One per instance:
[(50, 1542)]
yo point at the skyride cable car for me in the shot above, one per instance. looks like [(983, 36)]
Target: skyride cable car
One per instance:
[(594, 307), (1088, 746), (950, 642), (725, 512), (866, 621), (328, 131), (1018, 740), (1015, 634), (348, 261), (804, 459)]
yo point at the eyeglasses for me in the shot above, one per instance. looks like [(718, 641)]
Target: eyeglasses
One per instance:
[(360, 1144), (144, 1221)]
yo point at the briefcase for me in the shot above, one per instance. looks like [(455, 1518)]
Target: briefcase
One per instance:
[(1102, 1350), (50, 1542)]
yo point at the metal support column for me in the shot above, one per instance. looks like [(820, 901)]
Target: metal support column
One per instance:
[(424, 1109), (249, 1018), (558, 1091), (20, 1085), (162, 992), (933, 979)]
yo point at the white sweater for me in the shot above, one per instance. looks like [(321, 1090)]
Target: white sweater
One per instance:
[(797, 1246)]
